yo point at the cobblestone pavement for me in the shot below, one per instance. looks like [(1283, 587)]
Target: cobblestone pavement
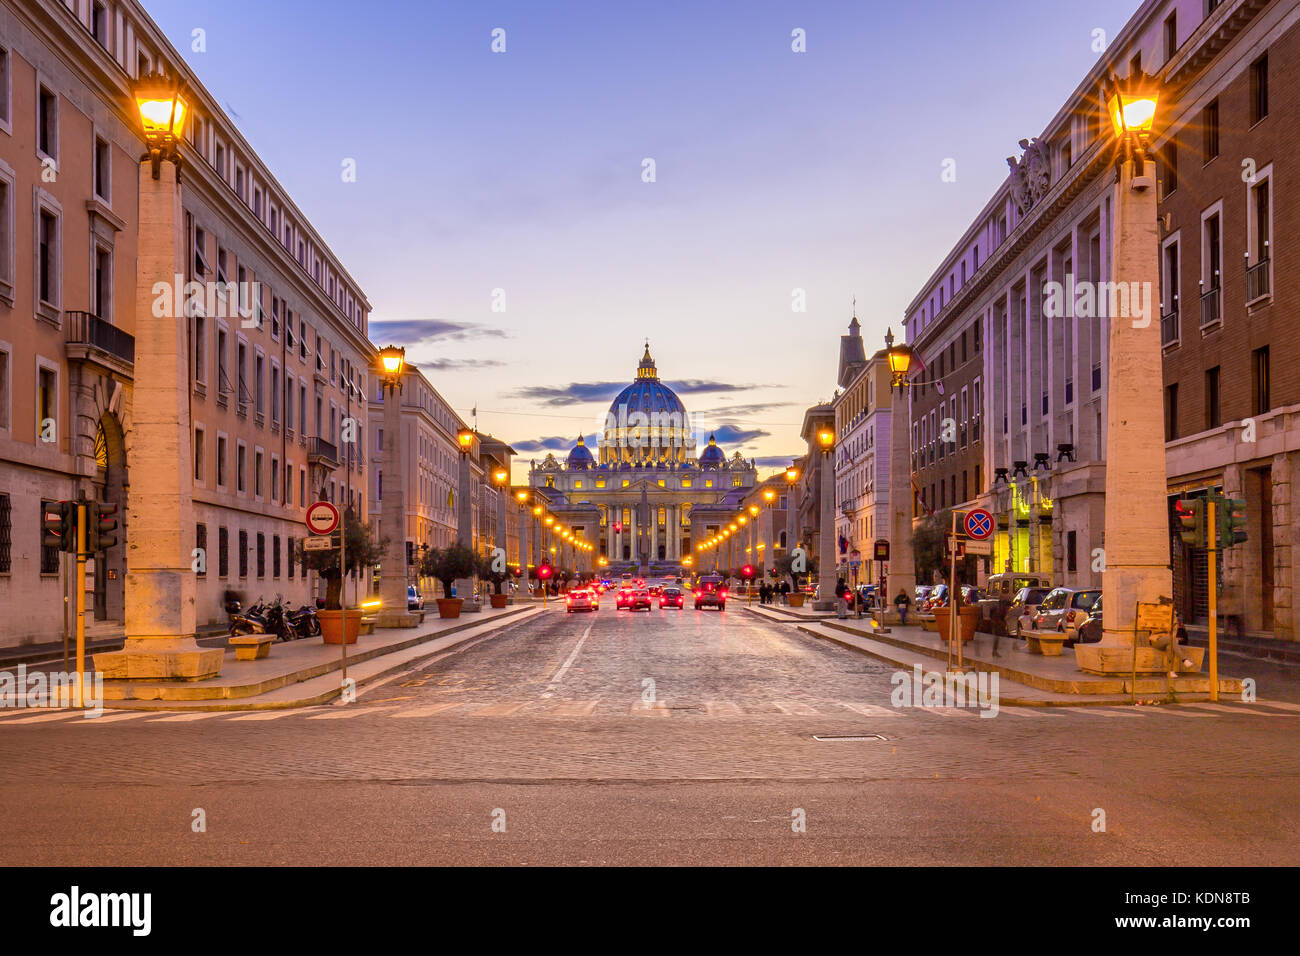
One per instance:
[(593, 726)]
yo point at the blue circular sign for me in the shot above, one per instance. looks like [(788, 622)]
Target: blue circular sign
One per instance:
[(979, 524)]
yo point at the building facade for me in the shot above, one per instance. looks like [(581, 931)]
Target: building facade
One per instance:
[(278, 353), (645, 482)]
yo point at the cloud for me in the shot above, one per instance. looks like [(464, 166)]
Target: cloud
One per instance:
[(775, 461), (735, 435), (553, 443), (419, 331), (570, 394), (740, 411), (455, 365), (693, 386)]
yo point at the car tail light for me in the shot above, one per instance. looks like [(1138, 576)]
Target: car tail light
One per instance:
[(722, 593)]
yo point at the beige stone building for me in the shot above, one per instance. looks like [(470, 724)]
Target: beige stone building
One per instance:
[(279, 358)]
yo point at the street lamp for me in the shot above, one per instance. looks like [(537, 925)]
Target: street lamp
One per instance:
[(390, 362), (162, 108), (465, 439), (826, 550), (902, 564), (899, 358)]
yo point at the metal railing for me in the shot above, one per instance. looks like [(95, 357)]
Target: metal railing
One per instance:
[(1210, 311), (1257, 284), (86, 328), (320, 448), (1169, 329)]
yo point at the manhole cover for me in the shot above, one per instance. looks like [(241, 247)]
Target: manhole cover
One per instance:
[(846, 738)]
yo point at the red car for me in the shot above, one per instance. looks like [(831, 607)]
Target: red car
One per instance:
[(632, 599), (671, 597), (582, 600)]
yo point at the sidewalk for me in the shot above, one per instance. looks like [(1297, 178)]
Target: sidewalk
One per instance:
[(308, 671), (1046, 680)]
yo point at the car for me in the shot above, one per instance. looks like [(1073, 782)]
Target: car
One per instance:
[(581, 600), (671, 596), (655, 590), (414, 599), (1023, 607), (1089, 632), (621, 597), (638, 599), (1064, 609), (711, 592)]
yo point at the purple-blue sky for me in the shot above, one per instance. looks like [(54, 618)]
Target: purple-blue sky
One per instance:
[(522, 171)]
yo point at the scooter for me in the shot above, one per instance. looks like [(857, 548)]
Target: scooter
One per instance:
[(305, 621), (252, 621)]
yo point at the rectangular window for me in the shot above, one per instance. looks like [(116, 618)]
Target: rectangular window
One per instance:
[(243, 553), (6, 532), (1171, 412), (257, 474), (48, 258), (103, 291), (1213, 418), (259, 389), (47, 122), (47, 395), (241, 468), (1210, 130), (201, 543), (275, 478), (1170, 154), (275, 556), (4, 86), (49, 556), (199, 471), (103, 169), (1259, 89), (4, 391), (223, 552), (290, 544), (275, 394), (1071, 551), (221, 461), (261, 555), (1261, 398), (1171, 43), (6, 235)]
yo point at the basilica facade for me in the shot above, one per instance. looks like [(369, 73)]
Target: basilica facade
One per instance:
[(648, 492)]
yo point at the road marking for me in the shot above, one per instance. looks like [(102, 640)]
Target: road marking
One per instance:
[(1112, 712), (267, 715), (1024, 712), (1294, 708), (114, 718), (723, 708), (1177, 712), (41, 718), (658, 708), (572, 708), (796, 709), (197, 715), (497, 710), (343, 713), (428, 711), (1230, 709), (949, 711), (870, 710), (564, 668)]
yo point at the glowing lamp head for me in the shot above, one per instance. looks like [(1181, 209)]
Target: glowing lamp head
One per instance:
[(162, 110), (521, 496), (537, 510), (465, 438), (392, 360), (753, 510), (769, 496), (792, 474), (549, 521), (1132, 104), (825, 437), (500, 476), (742, 520)]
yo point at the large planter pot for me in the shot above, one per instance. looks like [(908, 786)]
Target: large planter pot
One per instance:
[(331, 625), (500, 600), (969, 618), (449, 607), (796, 599)]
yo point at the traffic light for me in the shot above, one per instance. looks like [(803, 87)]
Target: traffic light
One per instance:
[(1231, 519), (618, 527), (1191, 518), (544, 571), (60, 526), (100, 526), (747, 572)]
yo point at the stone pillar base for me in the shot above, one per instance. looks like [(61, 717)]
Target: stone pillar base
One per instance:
[(471, 606), (160, 658), (399, 619), (1106, 658), (823, 605)]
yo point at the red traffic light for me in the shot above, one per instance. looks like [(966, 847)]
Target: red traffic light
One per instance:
[(618, 527), (747, 571), (544, 571)]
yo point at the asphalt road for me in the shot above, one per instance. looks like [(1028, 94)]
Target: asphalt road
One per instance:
[(668, 737)]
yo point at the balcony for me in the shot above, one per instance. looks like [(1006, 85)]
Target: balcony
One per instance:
[(322, 452), (1257, 284), (92, 339), (1170, 333), (1211, 311)]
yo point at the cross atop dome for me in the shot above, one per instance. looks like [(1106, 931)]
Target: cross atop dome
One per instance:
[(647, 367)]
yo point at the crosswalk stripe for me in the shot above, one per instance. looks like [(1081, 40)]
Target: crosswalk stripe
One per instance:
[(658, 709), (1024, 712), (795, 708), (41, 718), (948, 711), (115, 718), (870, 710), (197, 715), (1280, 705), (1177, 711), (343, 713), (723, 708), (427, 711), (267, 715), (497, 710), (1229, 709), (1111, 712), (571, 708)]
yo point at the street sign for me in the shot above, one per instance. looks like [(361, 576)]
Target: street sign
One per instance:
[(979, 524), (979, 547), (882, 549), (322, 543), (322, 517), (855, 558), (956, 547)]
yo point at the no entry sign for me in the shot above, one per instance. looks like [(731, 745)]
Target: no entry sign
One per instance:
[(322, 517)]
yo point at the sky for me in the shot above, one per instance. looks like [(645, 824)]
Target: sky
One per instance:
[(502, 225)]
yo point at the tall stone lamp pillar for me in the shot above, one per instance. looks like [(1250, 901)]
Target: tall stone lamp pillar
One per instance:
[(465, 518), (826, 523), (160, 575), (393, 572)]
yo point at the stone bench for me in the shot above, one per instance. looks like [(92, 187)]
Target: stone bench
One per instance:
[(928, 622), (252, 647), (367, 625), (1047, 643)]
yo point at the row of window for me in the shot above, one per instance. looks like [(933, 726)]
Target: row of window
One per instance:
[(934, 437), (943, 494), (737, 481), (281, 553), (1261, 399)]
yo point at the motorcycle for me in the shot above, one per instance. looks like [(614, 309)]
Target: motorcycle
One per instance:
[(305, 621), (252, 621), (277, 622)]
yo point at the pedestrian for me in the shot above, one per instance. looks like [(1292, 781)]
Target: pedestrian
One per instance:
[(841, 599), (763, 593), (901, 604)]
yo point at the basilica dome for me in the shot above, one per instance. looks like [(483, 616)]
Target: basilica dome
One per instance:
[(646, 422)]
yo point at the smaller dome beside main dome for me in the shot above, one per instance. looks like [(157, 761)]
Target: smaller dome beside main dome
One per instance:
[(581, 456), (712, 455)]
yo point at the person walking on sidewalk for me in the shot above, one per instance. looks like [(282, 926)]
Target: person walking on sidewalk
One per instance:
[(841, 605), (901, 604)]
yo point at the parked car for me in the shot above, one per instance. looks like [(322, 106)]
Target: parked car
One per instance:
[(999, 591), (922, 595), (582, 599), (1089, 632), (1023, 607), (414, 599), (1064, 610), (710, 592), (671, 596)]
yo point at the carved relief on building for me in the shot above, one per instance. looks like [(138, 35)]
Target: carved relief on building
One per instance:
[(1031, 175)]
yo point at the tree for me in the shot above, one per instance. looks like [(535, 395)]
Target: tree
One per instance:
[(362, 551), (487, 570), (927, 545), (784, 567), (449, 564)]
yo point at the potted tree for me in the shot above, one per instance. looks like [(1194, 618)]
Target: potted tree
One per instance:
[(785, 566), (487, 570), (447, 565), (362, 551)]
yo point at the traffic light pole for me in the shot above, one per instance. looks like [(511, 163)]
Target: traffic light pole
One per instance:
[(79, 699), (1212, 554)]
